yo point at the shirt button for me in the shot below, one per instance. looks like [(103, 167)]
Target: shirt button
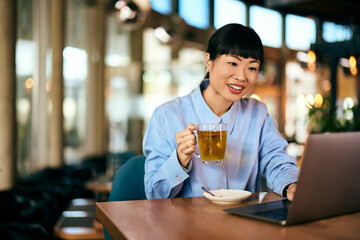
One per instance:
[(178, 178)]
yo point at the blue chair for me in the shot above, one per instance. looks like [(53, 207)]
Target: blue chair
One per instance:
[(128, 183)]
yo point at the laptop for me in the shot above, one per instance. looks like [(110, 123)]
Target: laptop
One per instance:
[(328, 184)]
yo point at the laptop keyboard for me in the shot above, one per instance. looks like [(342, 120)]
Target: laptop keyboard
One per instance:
[(279, 214)]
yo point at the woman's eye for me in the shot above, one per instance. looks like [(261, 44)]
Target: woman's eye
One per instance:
[(253, 68), (233, 63)]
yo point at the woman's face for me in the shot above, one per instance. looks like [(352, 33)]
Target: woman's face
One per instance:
[(231, 78)]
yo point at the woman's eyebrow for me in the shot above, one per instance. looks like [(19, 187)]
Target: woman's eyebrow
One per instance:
[(237, 57), (251, 61), (254, 61)]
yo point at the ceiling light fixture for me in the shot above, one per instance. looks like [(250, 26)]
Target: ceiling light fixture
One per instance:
[(164, 34), (131, 11)]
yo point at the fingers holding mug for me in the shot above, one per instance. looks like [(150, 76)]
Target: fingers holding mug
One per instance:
[(186, 142)]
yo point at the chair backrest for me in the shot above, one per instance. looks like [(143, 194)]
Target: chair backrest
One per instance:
[(128, 183)]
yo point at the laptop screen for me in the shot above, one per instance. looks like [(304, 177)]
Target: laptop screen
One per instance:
[(328, 185)]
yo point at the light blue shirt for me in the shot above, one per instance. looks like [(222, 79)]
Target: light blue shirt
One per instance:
[(253, 145)]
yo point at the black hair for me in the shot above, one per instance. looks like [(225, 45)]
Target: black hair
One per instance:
[(237, 40)]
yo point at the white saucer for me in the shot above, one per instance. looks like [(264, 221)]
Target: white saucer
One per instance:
[(228, 196)]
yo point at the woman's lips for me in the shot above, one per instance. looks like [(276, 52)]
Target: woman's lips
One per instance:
[(235, 88)]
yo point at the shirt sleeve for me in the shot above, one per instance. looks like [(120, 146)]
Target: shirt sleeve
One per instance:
[(164, 175), (276, 165)]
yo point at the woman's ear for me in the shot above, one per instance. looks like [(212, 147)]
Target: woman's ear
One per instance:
[(208, 62)]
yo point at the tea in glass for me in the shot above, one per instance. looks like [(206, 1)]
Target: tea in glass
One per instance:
[(212, 142)]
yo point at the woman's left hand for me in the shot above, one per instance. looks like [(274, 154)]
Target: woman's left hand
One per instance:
[(291, 191)]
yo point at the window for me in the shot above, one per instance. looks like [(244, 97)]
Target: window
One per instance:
[(267, 23), (157, 77), (76, 71), (189, 70), (301, 88), (117, 45), (161, 6), (195, 13), (25, 55), (229, 11), (300, 32), (334, 32), (75, 74), (32, 72)]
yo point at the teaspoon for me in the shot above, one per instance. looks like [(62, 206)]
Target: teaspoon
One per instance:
[(203, 188)]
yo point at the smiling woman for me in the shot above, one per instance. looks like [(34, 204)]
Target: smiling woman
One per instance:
[(254, 146)]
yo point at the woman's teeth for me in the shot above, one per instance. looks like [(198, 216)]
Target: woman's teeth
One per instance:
[(235, 87)]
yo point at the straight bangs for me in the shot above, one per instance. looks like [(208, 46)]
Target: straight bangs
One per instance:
[(236, 40), (242, 47)]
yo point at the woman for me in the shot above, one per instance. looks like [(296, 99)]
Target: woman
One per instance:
[(254, 144)]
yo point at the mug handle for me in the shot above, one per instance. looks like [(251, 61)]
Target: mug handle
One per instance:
[(196, 154)]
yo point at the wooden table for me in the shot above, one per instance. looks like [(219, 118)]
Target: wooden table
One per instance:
[(199, 218)]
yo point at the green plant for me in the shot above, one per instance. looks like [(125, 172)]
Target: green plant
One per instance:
[(323, 119)]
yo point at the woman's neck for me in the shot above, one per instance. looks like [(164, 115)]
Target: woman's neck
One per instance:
[(216, 103)]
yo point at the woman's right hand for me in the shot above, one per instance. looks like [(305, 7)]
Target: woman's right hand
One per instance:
[(186, 142)]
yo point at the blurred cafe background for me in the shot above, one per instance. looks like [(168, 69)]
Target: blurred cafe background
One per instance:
[(81, 78)]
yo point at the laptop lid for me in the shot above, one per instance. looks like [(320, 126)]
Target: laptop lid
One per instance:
[(329, 181), (328, 185)]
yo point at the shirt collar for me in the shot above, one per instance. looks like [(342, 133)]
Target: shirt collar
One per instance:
[(206, 115)]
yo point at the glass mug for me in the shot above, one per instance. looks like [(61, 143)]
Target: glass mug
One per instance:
[(212, 142)]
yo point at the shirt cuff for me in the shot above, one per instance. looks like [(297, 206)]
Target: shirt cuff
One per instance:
[(173, 171), (188, 167), (284, 192)]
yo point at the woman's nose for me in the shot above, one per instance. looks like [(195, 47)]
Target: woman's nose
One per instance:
[(240, 74)]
